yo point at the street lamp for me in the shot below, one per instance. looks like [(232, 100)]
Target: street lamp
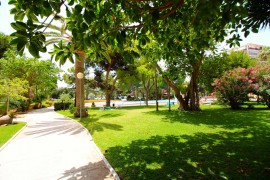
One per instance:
[(80, 77)]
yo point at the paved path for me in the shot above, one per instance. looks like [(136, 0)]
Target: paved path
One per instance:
[(52, 147)]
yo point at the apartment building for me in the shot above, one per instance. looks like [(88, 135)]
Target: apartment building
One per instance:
[(251, 49)]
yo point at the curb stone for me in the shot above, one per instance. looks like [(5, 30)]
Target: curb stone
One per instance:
[(113, 172)]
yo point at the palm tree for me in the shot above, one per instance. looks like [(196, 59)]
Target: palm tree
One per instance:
[(60, 35)]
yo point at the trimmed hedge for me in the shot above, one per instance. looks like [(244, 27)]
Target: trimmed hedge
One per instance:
[(61, 105)]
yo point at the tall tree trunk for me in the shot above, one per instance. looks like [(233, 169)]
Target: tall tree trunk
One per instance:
[(156, 90), (108, 99), (146, 98), (193, 87), (107, 90), (183, 105), (169, 97), (79, 67), (190, 101)]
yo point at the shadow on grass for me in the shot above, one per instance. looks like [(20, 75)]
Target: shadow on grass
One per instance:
[(137, 107), (223, 117), (226, 155), (93, 124)]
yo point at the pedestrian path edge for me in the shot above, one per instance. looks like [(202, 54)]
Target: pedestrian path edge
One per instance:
[(15, 135), (113, 172)]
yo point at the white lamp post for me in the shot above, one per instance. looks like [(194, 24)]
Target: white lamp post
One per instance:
[(80, 77)]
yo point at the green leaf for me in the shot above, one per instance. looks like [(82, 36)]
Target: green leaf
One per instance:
[(42, 37), (14, 26), (19, 16), (255, 30), (34, 51), (84, 26), (46, 5), (13, 11), (20, 25), (68, 12), (246, 33), (33, 17), (10, 2), (143, 41), (60, 44), (56, 47), (21, 44), (106, 55), (44, 49), (14, 41), (71, 58), (87, 40), (22, 34), (78, 9), (71, 2), (88, 16), (74, 32)]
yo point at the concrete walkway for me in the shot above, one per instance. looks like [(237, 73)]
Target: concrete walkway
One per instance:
[(52, 147)]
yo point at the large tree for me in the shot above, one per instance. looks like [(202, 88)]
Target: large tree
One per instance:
[(13, 88), (41, 75), (146, 74), (215, 66), (108, 63), (65, 48)]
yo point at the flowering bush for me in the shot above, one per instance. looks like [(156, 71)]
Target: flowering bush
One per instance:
[(233, 87), (263, 80)]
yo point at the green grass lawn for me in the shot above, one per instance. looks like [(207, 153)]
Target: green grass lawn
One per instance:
[(217, 143), (6, 132)]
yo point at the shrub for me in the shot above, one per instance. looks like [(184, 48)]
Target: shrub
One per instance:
[(65, 98), (25, 105), (93, 105), (61, 105), (72, 109), (2, 109), (233, 87), (262, 77), (49, 103)]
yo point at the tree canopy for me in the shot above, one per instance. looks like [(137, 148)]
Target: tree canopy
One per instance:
[(114, 21), (41, 75), (184, 30)]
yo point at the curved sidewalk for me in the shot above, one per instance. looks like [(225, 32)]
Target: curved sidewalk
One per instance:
[(52, 147)]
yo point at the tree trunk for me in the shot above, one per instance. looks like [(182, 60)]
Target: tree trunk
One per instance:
[(169, 97), (183, 105), (193, 88), (108, 99), (156, 89), (146, 98), (107, 92), (79, 67)]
